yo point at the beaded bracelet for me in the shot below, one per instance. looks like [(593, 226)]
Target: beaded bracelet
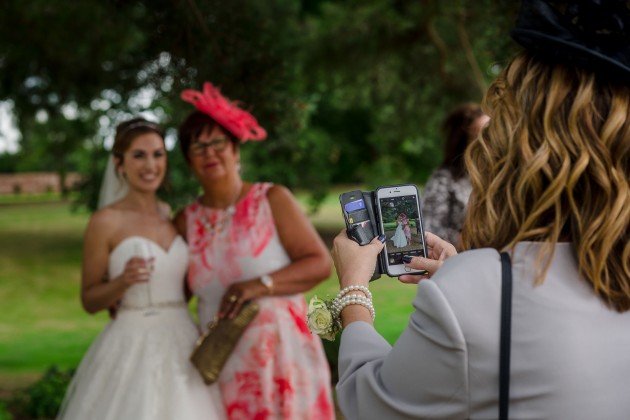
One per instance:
[(352, 299), (353, 288), (358, 301), (336, 303)]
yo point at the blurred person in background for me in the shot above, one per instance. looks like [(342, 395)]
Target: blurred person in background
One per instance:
[(445, 195)]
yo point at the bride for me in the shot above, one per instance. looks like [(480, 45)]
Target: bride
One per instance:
[(399, 238), (138, 367)]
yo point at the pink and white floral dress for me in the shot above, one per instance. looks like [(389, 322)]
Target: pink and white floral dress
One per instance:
[(278, 369)]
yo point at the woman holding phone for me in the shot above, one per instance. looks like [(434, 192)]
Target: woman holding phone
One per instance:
[(551, 187)]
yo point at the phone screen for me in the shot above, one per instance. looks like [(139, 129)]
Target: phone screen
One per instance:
[(400, 218)]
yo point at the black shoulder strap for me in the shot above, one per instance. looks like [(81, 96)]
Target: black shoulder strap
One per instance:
[(506, 335)]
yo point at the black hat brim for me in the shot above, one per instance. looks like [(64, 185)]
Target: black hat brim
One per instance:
[(559, 48)]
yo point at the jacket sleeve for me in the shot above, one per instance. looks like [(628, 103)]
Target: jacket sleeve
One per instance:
[(423, 376)]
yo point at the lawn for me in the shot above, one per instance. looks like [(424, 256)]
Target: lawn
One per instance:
[(42, 322)]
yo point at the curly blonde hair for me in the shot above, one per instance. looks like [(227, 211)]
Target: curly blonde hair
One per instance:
[(553, 165)]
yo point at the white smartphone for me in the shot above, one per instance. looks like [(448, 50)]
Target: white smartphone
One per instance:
[(400, 220)]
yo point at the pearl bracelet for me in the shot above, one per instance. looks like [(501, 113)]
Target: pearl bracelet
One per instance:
[(353, 299), (353, 288), (336, 304), (363, 302)]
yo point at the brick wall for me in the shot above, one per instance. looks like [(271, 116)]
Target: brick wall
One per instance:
[(34, 182)]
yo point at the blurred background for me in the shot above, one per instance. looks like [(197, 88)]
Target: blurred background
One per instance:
[(352, 94)]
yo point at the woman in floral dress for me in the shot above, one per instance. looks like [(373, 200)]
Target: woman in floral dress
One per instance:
[(252, 241), (406, 228)]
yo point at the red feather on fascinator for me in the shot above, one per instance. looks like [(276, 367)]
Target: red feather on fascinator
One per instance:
[(226, 113)]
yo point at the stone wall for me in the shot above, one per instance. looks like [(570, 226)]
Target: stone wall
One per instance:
[(34, 182)]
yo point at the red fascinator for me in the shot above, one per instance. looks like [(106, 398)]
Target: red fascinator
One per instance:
[(226, 113)]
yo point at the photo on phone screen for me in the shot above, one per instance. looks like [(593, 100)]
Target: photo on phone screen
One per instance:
[(401, 223)]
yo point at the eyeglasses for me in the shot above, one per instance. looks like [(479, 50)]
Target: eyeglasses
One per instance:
[(198, 148)]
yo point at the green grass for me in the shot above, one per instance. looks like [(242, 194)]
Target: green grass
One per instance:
[(42, 322), (29, 198)]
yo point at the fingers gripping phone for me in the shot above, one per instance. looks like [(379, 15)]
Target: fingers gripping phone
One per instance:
[(393, 211), (400, 219), (358, 213)]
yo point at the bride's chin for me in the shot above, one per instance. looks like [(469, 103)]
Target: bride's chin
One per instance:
[(147, 189)]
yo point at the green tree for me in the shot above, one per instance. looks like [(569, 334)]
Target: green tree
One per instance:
[(349, 91), (404, 64)]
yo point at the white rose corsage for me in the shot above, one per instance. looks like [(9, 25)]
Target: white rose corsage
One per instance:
[(323, 315), (322, 319)]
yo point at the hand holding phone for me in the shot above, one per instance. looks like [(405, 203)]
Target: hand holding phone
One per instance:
[(355, 264), (438, 250), (393, 211)]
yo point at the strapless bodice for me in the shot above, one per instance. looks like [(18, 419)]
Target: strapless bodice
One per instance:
[(167, 279)]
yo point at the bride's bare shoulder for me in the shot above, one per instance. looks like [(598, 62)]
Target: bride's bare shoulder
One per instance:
[(165, 210), (106, 218)]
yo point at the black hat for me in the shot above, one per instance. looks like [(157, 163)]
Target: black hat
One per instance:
[(594, 34)]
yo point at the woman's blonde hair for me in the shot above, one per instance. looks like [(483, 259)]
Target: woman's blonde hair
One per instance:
[(553, 165)]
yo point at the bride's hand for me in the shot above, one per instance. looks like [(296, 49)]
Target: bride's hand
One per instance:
[(136, 271)]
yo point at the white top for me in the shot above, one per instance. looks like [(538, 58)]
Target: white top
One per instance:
[(165, 285), (569, 359)]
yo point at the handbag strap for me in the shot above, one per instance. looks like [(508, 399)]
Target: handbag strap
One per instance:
[(506, 335)]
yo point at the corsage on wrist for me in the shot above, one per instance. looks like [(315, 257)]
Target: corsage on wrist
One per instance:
[(323, 317)]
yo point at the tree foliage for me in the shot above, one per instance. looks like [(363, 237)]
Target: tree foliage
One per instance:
[(349, 91)]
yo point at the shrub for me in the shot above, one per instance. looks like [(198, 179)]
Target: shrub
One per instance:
[(4, 414), (42, 399)]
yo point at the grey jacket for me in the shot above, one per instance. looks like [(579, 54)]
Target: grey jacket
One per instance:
[(570, 353)]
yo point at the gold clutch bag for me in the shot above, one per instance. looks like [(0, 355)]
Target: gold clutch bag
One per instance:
[(215, 346)]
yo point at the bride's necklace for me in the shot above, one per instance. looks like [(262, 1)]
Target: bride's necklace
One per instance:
[(219, 224)]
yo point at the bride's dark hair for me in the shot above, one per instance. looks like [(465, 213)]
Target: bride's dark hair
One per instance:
[(127, 131)]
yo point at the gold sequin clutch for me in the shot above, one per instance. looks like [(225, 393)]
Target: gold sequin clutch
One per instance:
[(215, 346)]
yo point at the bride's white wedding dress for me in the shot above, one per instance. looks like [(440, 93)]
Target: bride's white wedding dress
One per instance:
[(399, 238), (138, 367)]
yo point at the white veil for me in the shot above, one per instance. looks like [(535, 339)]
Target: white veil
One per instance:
[(113, 187)]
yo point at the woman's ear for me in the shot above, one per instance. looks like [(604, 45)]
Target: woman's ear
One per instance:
[(118, 165)]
